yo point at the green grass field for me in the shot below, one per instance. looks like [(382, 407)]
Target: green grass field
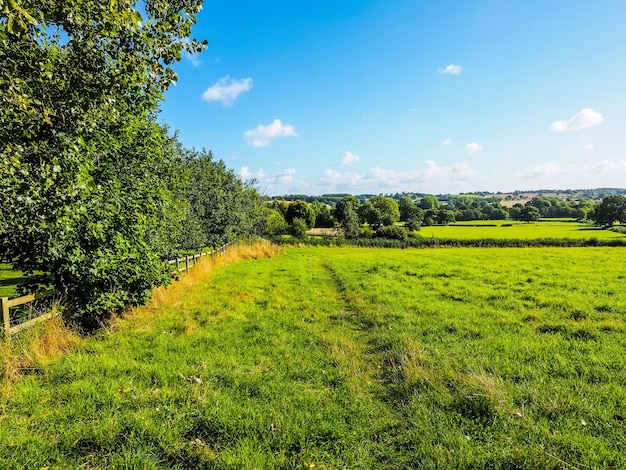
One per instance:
[(547, 228), (348, 358), (8, 280)]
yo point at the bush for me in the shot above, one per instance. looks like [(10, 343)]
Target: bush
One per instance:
[(412, 224), (298, 228), (391, 232)]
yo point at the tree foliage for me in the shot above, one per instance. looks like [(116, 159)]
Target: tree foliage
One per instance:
[(221, 207), (379, 211), (300, 210), (612, 209), (94, 194)]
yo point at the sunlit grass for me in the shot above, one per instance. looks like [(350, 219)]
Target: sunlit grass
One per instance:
[(346, 358), (507, 229), (8, 280)]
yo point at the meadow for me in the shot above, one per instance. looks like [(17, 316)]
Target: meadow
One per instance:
[(507, 229), (8, 280), (342, 358)]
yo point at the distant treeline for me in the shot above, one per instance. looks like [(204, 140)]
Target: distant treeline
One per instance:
[(573, 194), (379, 214)]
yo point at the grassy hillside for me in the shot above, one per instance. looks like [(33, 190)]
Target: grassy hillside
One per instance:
[(346, 358)]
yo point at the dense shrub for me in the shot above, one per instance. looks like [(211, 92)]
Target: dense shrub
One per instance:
[(392, 232)]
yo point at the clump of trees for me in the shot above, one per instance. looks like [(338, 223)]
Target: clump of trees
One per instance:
[(94, 193), (612, 209), (353, 217)]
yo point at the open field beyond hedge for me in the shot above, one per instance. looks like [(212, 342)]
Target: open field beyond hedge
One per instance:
[(347, 358), (503, 229)]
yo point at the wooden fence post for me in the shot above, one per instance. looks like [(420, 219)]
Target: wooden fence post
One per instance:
[(6, 319), (186, 263)]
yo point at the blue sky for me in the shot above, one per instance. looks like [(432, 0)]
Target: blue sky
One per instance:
[(384, 96)]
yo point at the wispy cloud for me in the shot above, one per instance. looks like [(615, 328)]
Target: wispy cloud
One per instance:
[(447, 141), (379, 179), (193, 58), (473, 148), (581, 120), (349, 158), (227, 90), (542, 171), (451, 69), (611, 170), (262, 136)]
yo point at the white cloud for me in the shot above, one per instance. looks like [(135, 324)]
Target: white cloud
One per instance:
[(246, 174), (380, 179), (286, 176), (473, 148), (263, 135), (349, 158), (227, 90), (542, 171), (451, 69), (609, 170), (448, 141), (581, 120), (589, 147)]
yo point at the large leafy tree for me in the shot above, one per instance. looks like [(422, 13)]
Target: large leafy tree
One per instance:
[(300, 210), (83, 164), (612, 209), (379, 211)]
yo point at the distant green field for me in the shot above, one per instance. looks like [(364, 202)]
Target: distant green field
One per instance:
[(558, 228), (8, 280), (507, 358)]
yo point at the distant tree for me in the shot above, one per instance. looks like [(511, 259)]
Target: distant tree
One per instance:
[(379, 211), (323, 216), (409, 210), (529, 214), (429, 202), (445, 217), (542, 204), (412, 224), (344, 205), (350, 225), (515, 211), (300, 210), (612, 209), (274, 222)]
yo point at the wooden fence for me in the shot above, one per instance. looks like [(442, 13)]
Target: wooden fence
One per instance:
[(183, 264)]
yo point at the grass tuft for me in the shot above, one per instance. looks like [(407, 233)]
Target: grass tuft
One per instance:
[(31, 349)]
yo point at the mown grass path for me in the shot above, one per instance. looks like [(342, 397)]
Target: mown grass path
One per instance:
[(348, 358)]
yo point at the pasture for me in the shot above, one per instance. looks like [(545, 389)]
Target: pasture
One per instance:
[(345, 358), (8, 280), (507, 229)]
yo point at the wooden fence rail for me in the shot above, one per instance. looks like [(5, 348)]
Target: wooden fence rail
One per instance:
[(183, 264)]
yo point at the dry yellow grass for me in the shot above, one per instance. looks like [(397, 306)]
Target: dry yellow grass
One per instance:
[(174, 294), (33, 348)]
